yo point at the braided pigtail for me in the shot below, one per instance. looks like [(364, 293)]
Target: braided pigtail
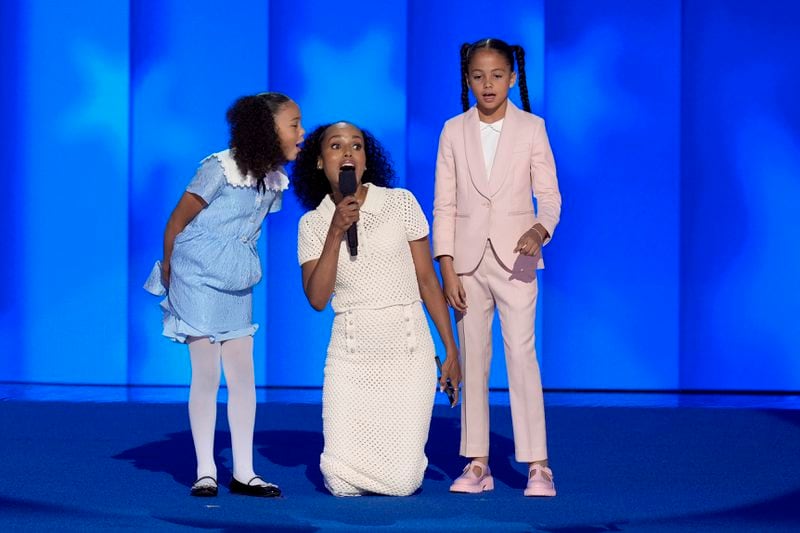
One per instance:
[(464, 67), (519, 52)]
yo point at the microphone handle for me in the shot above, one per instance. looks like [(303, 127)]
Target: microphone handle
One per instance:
[(352, 240)]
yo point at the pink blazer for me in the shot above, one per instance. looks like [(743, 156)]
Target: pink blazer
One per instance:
[(470, 208)]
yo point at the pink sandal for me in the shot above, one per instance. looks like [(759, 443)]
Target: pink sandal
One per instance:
[(540, 481), (473, 483)]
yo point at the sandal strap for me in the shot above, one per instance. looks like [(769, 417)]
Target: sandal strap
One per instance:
[(266, 483), (198, 480), (544, 470), (484, 468)]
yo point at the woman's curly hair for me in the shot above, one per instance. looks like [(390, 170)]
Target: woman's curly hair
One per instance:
[(254, 141), (309, 182)]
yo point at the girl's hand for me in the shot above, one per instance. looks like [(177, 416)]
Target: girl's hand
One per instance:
[(454, 290), (530, 243), (165, 274), (346, 213)]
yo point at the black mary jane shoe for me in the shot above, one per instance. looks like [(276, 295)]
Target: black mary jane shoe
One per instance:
[(204, 490), (268, 491)]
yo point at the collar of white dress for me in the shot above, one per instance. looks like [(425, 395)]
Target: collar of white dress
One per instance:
[(373, 203), (277, 180)]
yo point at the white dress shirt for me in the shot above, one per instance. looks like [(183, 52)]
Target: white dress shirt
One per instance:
[(490, 135)]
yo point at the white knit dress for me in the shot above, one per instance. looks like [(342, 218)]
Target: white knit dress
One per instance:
[(380, 375)]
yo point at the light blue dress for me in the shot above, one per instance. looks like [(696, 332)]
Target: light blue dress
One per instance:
[(214, 263)]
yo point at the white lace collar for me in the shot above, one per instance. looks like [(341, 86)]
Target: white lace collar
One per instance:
[(277, 180)]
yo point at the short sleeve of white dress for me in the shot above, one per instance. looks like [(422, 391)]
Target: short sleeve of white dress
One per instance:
[(208, 180), (414, 220), (309, 243)]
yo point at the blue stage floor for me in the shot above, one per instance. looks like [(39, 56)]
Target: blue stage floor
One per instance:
[(167, 394), (121, 458)]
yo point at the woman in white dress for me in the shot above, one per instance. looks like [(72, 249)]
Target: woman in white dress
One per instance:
[(380, 372)]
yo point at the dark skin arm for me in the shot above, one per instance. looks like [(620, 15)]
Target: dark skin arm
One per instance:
[(453, 289), (188, 207), (319, 275), (432, 296)]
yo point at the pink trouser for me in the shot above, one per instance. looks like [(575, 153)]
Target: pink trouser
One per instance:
[(514, 293)]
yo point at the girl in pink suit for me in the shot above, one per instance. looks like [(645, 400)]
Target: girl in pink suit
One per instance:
[(493, 160)]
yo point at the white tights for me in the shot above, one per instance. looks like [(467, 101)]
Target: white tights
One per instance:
[(236, 356)]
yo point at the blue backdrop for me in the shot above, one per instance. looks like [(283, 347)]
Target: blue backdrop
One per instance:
[(674, 124)]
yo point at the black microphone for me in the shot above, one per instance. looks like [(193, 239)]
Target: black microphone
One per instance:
[(347, 186)]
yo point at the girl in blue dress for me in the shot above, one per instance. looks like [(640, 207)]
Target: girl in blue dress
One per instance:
[(209, 267)]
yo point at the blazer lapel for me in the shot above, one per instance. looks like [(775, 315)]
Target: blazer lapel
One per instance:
[(474, 151), (505, 147)]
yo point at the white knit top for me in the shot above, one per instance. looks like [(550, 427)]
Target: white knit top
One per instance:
[(382, 274)]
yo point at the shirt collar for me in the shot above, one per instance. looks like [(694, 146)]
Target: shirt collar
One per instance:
[(373, 203), (494, 126)]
